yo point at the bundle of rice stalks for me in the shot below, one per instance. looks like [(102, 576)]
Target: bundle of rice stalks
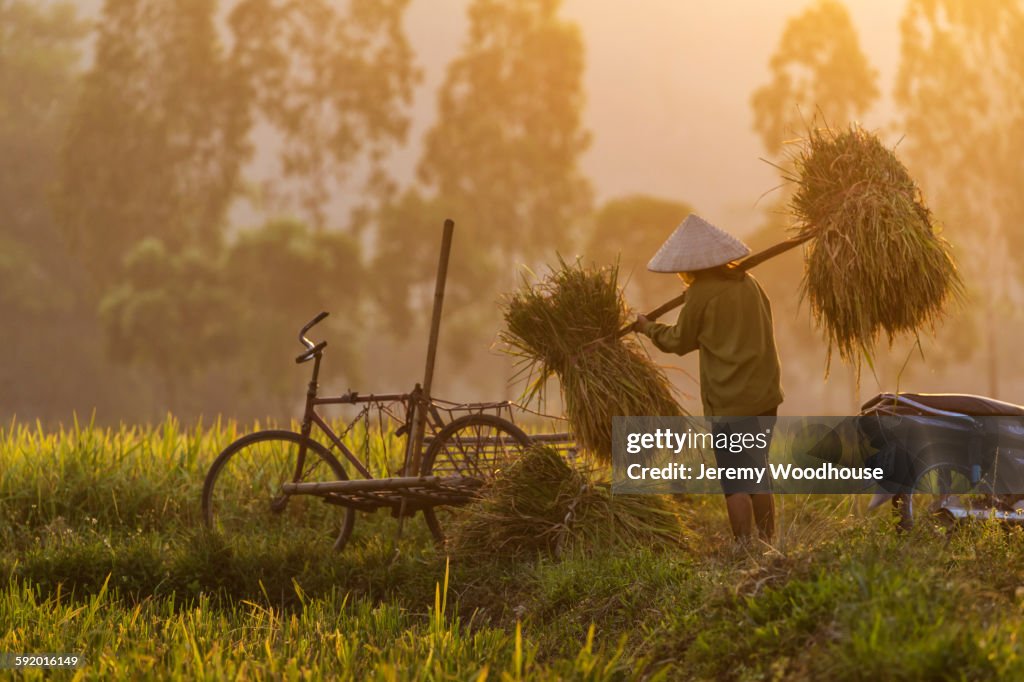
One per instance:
[(875, 263), (540, 505), (567, 325)]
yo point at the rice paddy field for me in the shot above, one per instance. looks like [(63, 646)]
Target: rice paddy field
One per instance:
[(102, 555)]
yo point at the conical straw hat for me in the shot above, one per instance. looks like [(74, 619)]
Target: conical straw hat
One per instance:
[(696, 245)]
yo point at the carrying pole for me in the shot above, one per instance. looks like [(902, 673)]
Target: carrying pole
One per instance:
[(745, 264), (422, 404)]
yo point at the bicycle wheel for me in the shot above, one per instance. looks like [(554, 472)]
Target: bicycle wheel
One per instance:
[(938, 489), (474, 446), (243, 500)]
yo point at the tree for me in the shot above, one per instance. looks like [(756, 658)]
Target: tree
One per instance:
[(170, 313), (502, 161), (157, 138), (182, 313), (819, 73), (960, 91), (628, 231), (155, 153), (334, 85), (817, 69), (161, 130), (39, 48), (960, 88), (403, 274), (279, 276), (505, 151)]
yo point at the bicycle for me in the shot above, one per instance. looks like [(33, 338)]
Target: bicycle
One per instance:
[(292, 481)]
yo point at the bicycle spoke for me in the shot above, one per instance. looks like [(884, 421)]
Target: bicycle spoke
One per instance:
[(476, 446)]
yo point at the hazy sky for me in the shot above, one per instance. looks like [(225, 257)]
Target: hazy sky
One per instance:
[(668, 87)]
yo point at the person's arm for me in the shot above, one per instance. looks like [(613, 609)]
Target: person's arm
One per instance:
[(680, 338)]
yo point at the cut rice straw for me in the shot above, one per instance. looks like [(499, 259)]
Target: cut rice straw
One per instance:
[(542, 506), (566, 326), (876, 263)]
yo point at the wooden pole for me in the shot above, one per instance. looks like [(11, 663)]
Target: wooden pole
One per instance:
[(745, 264), (367, 485), (419, 409)]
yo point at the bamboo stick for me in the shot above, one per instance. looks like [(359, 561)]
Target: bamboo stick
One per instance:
[(745, 264)]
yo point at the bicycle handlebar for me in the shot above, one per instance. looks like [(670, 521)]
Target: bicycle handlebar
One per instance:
[(311, 353), (311, 348), (309, 325)]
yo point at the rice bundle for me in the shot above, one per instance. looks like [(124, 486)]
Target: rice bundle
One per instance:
[(567, 325), (875, 263), (540, 505)]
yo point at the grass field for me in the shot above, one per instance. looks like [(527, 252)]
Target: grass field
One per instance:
[(101, 555)]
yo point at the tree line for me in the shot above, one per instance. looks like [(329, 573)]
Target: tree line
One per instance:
[(127, 285)]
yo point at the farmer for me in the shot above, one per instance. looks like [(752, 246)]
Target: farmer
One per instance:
[(727, 318)]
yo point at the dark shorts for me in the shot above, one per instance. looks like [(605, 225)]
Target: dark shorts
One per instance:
[(752, 458)]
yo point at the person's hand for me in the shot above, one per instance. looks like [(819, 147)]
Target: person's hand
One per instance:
[(641, 324)]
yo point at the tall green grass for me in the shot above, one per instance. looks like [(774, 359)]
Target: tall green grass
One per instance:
[(328, 637), (101, 555)]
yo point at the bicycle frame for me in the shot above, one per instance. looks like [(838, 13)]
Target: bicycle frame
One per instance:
[(311, 418), (417, 403)]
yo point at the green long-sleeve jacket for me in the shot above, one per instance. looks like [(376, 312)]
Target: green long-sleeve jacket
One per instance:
[(728, 318)]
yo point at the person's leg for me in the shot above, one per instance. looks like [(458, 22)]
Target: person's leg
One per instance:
[(741, 515), (737, 493), (763, 502), (751, 512), (764, 514)]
